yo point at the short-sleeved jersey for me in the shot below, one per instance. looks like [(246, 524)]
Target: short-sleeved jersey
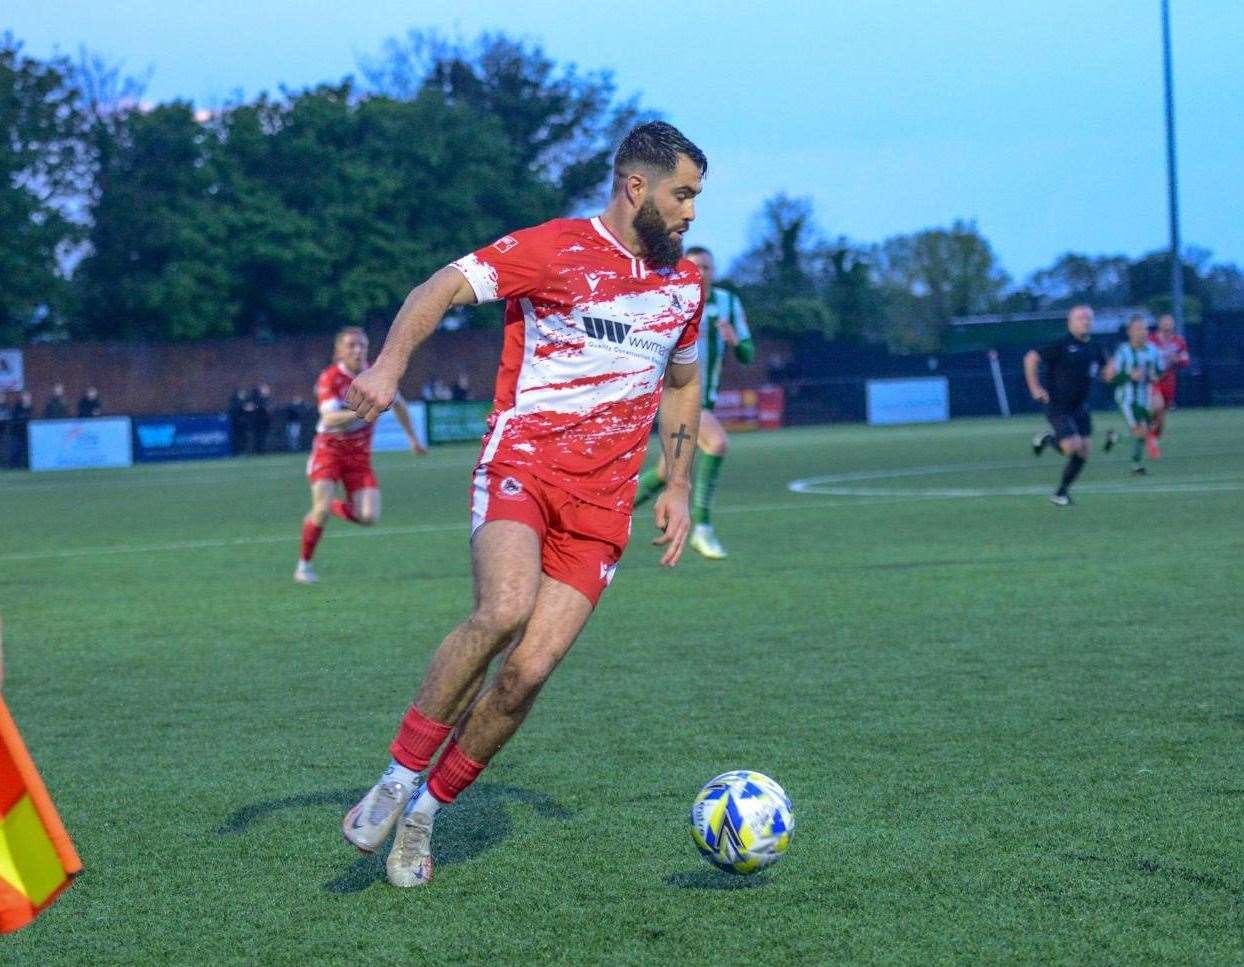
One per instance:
[(1173, 349), (1071, 365), (721, 305), (1147, 359), (1131, 392), (330, 396), (589, 331)]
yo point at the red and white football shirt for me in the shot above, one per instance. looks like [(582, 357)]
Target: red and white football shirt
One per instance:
[(330, 395), (589, 330)]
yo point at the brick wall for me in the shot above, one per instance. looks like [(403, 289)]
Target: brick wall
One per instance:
[(150, 378)]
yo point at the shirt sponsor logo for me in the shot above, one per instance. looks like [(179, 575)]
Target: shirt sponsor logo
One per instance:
[(609, 329), (505, 243)]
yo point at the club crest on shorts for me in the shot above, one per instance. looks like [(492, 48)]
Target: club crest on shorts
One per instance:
[(511, 488), (606, 572)]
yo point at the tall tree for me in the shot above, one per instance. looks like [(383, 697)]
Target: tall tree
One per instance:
[(1099, 280), (42, 171), (564, 125), (778, 274), (935, 275), (157, 266)]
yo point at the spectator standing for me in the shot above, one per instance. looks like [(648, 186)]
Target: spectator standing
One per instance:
[(261, 417), (19, 420), (7, 402), (56, 408), (238, 421), (462, 386), (295, 413), (90, 405)]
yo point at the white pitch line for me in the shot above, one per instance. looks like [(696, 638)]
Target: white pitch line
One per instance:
[(207, 543)]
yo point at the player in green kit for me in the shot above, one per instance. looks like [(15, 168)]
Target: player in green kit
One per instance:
[(1137, 364), (724, 328)]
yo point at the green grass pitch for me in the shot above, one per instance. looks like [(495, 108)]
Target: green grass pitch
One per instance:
[(1011, 732)]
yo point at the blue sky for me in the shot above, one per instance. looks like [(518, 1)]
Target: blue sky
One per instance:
[(1043, 122)]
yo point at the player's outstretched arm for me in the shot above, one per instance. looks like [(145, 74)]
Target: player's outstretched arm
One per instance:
[(373, 391), (402, 412), (1032, 359), (679, 427)]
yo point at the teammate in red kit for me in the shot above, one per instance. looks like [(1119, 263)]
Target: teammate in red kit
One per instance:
[(341, 454), (601, 321), (1162, 397)]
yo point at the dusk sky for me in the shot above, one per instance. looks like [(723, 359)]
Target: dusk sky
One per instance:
[(1043, 122)]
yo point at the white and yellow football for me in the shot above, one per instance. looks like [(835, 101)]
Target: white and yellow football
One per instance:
[(742, 821)]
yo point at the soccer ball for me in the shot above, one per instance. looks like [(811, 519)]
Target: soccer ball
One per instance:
[(742, 821)]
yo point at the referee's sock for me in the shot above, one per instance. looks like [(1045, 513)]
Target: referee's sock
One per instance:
[(1075, 463)]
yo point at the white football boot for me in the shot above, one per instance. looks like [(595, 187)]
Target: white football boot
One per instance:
[(368, 823), (704, 541), (304, 573), (410, 859)]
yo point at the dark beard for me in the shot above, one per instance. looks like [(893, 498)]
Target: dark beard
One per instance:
[(659, 248)]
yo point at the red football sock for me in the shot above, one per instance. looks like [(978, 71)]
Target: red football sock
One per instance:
[(417, 739), (453, 772), (311, 533), (344, 509)]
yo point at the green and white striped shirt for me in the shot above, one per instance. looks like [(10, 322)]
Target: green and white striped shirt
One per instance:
[(1148, 360), (721, 304)]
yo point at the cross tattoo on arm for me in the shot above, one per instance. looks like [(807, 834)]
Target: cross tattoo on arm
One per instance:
[(680, 436)]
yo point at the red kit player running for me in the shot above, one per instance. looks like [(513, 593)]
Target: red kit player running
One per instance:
[(1162, 396), (341, 454), (601, 321)]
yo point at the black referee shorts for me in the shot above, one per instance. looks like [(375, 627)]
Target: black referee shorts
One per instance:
[(1068, 423)]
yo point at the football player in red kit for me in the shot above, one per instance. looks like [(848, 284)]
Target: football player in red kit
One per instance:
[(1162, 396), (341, 453), (601, 321)]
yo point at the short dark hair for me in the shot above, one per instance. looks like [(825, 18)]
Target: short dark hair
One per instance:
[(1137, 317), (657, 145), (698, 250)]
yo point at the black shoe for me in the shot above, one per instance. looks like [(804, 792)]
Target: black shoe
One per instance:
[(1060, 500), (1139, 470), (1112, 438)]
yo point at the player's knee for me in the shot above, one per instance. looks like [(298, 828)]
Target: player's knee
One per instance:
[(500, 620), (716, 445)]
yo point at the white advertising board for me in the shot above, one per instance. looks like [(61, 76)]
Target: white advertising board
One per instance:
[(77, 444)]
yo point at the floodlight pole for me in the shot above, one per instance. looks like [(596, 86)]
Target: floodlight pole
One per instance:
[(1172, 180)]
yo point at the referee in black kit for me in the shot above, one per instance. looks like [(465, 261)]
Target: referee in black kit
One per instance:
[(1070, 365)]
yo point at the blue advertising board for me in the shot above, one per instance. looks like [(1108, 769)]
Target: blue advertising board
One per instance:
[(75, 444), (198, 436), (921, 400)]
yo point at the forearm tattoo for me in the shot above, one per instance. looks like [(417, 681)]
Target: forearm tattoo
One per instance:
[(680, 436)]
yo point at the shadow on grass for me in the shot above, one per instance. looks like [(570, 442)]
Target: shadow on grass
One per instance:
[(477, 822), (709, 878)]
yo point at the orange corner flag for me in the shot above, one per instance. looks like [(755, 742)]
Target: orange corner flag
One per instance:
[(37, 859)]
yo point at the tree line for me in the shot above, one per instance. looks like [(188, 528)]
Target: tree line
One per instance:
[(124, 219), (906, 290)]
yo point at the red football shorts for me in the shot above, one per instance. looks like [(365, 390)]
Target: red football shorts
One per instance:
[(580, 543), (348, 465), (1166, 386)]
